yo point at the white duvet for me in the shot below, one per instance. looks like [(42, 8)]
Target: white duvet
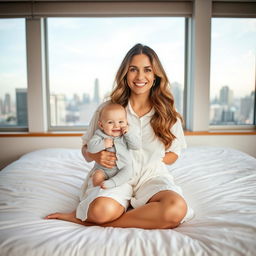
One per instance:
[(219, 184)]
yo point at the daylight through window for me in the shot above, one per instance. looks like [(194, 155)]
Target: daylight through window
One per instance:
[(233, 71), (85, 53)]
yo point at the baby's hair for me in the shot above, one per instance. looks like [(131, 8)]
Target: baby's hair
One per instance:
[(110, 106)]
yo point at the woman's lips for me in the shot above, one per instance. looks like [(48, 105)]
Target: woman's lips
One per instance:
[(140, 84)]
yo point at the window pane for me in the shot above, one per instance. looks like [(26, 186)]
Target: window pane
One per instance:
[(13, 73), (85, 53), (233, 71)]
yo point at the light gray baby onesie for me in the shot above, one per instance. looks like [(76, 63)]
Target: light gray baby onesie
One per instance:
[(123, 170)]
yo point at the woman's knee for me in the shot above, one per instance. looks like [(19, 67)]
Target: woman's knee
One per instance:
[(174, 211), (103, 210)]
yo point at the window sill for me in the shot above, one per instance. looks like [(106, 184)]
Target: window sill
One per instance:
[(41, 134)]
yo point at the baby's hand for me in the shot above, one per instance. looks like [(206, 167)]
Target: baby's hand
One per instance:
[(124, 129), (108, 143), (102, 185)]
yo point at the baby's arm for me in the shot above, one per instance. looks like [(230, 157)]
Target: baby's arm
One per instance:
[(96, 144), (133, 141), (120, 178)]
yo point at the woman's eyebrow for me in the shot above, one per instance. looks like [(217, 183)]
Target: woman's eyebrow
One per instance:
[(133, 66)]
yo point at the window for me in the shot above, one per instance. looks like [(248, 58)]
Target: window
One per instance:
[(85, 53), (232, 88), (13, 74)]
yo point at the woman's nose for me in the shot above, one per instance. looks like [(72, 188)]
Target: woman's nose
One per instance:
[(140, 75)]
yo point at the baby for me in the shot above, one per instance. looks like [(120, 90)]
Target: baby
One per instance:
[(113, 135)]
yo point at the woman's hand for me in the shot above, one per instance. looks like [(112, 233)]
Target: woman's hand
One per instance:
[(104, 158)]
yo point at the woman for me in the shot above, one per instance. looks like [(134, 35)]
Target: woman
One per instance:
[(142, 87)]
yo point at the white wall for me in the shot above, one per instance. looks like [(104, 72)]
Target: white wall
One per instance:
[(245, 143), (11, 148)]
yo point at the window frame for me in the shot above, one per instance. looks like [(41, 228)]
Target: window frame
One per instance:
[(198, 25), (226, 10), (83, 127), (17, 128)]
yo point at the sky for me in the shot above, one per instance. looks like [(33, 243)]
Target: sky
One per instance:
[(83, 49)]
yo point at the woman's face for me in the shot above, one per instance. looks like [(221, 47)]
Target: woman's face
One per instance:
[(140, 76)]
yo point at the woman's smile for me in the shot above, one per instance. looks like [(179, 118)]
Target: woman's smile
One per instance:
[(140, 84)]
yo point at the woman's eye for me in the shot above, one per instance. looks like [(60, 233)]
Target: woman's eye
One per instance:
[(132, 69), (121, 122), (148, 70)]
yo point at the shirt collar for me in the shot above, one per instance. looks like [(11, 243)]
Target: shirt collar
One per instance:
[(149, 114)]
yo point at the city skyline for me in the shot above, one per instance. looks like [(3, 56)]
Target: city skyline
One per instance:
[(237, 69), (79, 108), (76, 59)]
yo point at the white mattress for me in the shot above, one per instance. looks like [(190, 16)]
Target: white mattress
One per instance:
[(219, 184)]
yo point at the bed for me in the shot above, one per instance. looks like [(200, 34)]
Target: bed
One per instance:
[(218, 183)]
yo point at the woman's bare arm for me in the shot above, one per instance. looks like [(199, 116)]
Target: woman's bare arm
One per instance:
[(170, 158)]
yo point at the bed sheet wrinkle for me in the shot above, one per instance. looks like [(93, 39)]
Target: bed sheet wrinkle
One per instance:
[(214, 245), (219, 184)]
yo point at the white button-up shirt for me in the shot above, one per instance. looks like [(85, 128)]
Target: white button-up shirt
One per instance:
[(147, 161)]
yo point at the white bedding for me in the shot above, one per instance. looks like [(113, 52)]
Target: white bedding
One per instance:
[(219, 184)]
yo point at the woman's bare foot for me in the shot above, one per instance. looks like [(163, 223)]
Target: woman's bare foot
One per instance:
[(98, 177), (67, 217)]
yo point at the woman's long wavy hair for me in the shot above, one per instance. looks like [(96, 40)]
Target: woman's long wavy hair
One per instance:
[(161, 98)]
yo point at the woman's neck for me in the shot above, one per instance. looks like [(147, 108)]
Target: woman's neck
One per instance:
[(140, 104)]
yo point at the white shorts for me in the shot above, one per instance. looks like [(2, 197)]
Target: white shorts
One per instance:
[(126, 194)]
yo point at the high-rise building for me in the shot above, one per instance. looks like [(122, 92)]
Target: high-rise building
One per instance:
[(215, 113), (76, 99), (7, 104), (21, 107), (86, 98), (96, 97), (228, 116), (1, 107), (246, 106), (177, 92), (58, 109), (226, 96)]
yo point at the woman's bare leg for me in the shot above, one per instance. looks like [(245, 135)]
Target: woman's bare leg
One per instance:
[(101, 210), (165, 209), (67, 217)]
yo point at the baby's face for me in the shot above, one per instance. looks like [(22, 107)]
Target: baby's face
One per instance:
[(112, 121)]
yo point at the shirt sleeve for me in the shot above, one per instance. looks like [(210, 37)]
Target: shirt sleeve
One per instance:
[(93, 126), (179, 142)]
